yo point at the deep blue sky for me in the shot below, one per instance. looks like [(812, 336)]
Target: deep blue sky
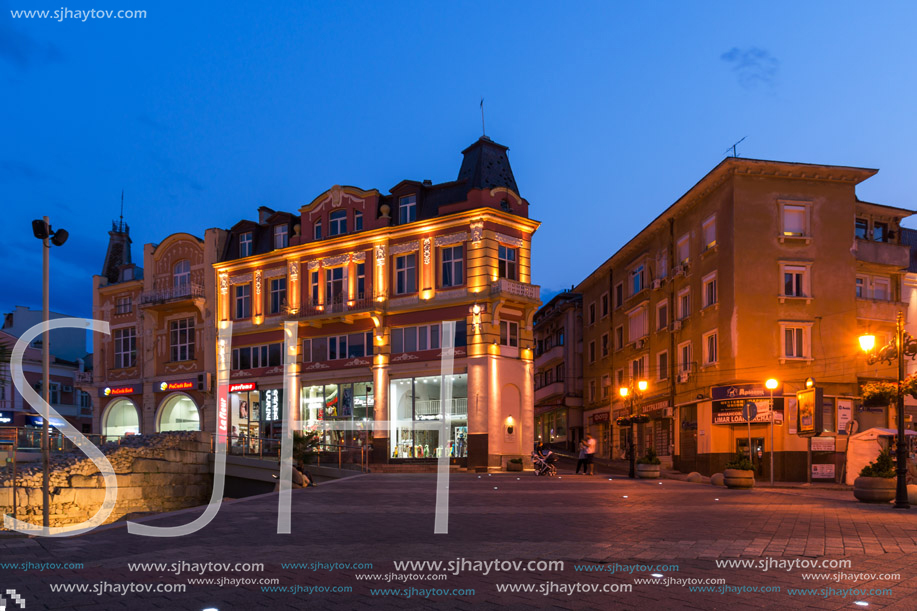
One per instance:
[(611, 111)]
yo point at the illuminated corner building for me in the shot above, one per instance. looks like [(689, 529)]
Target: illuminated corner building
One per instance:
[(558, 331), (763, 269), (371, 279), (154, 372)]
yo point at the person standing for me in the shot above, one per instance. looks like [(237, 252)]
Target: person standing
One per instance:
[(581, 462), (590, 454)]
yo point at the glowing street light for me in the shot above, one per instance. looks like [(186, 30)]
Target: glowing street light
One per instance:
[(771, 384), (867, 342)]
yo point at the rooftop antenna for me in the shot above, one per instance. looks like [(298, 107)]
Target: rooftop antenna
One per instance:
[(483, 132), (733, 147), (121, 218)]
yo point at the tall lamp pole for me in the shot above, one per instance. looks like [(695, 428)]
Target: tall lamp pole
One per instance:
[(624, 392), (42, 230), (771, 384), (902, 346)]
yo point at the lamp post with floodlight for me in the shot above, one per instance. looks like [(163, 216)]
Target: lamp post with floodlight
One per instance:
[(771, 384), (635, 388)]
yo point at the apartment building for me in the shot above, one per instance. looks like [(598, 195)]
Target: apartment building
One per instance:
[(761, 270), (371, 280), (558, 328)]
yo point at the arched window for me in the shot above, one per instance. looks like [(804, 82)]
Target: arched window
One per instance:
[(181, 274), (178, 413), (121, 418), (337, 222)]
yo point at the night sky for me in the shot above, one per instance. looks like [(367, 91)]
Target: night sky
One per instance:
[(202, 113)]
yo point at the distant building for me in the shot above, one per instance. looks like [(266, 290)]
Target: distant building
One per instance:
[(558, 328), (68, 344), (762, 270), (154, 371)]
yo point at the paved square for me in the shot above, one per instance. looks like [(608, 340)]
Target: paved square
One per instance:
[(628, 527)]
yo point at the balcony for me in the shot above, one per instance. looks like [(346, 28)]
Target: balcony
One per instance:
[(524, 290), (554, 389), (883, 253), (555, 353), (877, 309), (337, 308), (173, 294)]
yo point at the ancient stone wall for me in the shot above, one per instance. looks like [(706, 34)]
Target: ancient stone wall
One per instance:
[(155, 473)]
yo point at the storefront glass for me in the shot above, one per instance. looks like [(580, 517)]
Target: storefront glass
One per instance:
[(179, 413), (350, 402), (415, 400), (122, 418), (245, 430)]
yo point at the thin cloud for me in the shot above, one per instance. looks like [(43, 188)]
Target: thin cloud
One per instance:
[(753, 66)]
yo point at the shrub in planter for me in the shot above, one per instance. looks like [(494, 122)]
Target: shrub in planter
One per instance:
[(305, 446), (648, 465), (878, 393), (739, 473), (876, 483), (514, 464)]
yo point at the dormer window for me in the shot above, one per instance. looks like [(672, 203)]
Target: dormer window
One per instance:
[(281, 236), (358, 221), (337, 223), (245, 244), (407, 209), (318, 230)]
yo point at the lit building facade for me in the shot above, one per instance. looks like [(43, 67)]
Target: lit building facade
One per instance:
[(761, 270), (371, 279), (154, 371), (558, 330)]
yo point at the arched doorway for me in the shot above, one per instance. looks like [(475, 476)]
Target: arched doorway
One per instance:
[(178, 412), (121, 418)]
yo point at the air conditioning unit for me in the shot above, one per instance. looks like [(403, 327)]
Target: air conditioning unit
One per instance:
[(683, 376), (657, 283), (668, 412), (676, 325), (67, 388), (639, 344)]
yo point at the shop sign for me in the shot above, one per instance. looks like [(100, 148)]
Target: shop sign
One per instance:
[(112, 391), (272, 404), (183, 385), (6, 417), (810, 408), (822, 471), (39, 421), (823, 444), (243, 386), (844, 414), (727, 403), (600, 417)]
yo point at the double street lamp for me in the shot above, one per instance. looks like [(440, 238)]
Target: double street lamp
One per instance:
[(902, 346), (41, 228), (636, 388)]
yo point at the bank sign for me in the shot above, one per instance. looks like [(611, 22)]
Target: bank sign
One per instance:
[(728, 402)]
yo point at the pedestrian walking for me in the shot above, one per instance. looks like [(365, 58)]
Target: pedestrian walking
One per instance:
[(581, 462)]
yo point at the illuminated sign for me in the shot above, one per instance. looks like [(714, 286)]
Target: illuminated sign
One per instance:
[(810, 412), (243, 386), (6, 417), (111, 391), (185, 385), (223, 421), (600, 417), (272, 404)]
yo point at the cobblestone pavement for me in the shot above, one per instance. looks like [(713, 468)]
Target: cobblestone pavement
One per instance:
[(611, 524)]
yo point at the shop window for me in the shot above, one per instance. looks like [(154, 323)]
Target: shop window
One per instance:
[(178, 413), (245, 244), (278, 295), (125, 347), (414, 400), (181, 339), (121, 418)]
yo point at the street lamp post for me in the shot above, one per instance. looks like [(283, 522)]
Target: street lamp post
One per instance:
[(902, 346), (42, 230), (632, 392), (771, 384)]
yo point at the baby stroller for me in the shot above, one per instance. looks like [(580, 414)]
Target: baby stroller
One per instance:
[(542, 466)]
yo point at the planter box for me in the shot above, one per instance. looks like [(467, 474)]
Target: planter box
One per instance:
[(738, 478), (647, 471), (874, 489), (514, 466)]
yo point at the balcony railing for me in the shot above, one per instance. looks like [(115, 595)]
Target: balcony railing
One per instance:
[(459, 407), (552, 354), (878, 309), (175, 293), (518, 289), (883, 253), (335, 306), (549, 390)]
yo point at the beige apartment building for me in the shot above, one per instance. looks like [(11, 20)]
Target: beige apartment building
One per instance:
[(761, 270)]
